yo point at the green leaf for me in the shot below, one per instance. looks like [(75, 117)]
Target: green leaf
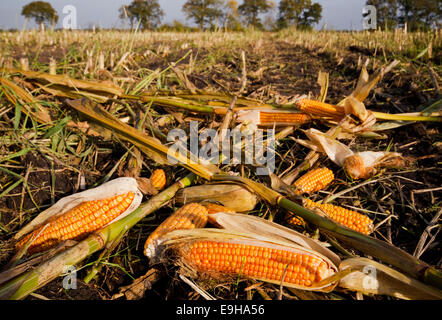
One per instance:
[(59, 126), (421, 54)]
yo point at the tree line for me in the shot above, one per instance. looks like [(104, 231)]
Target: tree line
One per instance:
[(229, 14), (210, 14), (206, 14), (414, 14)]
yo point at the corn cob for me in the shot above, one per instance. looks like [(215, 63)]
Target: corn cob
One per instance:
[(320, 109), (190, 216), (78, 222), (261, 261), (348, 218), (215, 208), (293, 219), (314, 180), (158, 179), (269, 118)]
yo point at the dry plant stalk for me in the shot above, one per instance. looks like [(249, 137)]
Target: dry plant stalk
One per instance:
[(371, 277)]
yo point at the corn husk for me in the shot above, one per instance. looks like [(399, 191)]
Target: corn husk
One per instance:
[(366, 83), (375, 278), (180, 240), (232, 196), (336, 151), (112, 188), (357, 164)]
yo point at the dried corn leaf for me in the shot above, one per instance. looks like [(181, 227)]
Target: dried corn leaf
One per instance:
[(389, 125), (375, 278), (323, 81), (93, 86), (65, 92), (367, 83), (357, 108), (14, 92), (335, 150), (150, 146)]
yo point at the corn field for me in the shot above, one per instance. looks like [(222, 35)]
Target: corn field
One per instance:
[(92, 174)]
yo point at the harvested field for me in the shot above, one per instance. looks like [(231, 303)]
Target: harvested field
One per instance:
[(50, 150)]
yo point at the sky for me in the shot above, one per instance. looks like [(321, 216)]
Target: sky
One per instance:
[(337, 14)]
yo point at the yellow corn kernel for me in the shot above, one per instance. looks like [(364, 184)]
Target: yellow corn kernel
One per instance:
[(350, 219), (190, 216), (78, 222), (257, 261), (158, 179), (314, 180)]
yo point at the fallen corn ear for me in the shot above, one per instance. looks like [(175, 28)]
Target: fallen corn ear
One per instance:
[(80, 214), (224, 253), (357, 165), (271, 118), (320, 109), (314, 180)]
